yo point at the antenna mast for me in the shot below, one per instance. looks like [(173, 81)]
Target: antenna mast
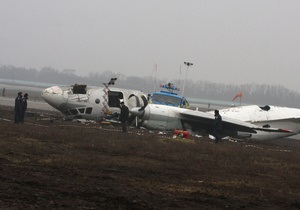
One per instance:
[(179, 76), (155, 74), (188, 64)]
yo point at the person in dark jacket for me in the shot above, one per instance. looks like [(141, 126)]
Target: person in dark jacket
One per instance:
[(217, 129), (124, 116), (24, 107), (18, 108)]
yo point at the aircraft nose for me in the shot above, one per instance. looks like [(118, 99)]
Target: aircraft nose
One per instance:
[(52, 95)]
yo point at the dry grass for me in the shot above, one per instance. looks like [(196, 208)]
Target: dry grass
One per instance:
[(72, 166)]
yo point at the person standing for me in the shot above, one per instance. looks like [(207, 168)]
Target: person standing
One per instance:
[(24, 107), (217, 126), (18, 108), (124, 116)]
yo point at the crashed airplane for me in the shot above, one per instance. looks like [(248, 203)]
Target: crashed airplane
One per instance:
[(244, 122)]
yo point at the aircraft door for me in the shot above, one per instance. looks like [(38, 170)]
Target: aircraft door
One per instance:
[(114, 98)]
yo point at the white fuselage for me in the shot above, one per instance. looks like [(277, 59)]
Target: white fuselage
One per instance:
[(89, 103), (163, 117)]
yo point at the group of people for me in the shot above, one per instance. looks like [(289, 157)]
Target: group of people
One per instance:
[(20, 107)]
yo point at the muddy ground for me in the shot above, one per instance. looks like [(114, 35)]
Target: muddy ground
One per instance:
[(48, 163)]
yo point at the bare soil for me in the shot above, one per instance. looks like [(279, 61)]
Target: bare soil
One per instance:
[(47, 163)]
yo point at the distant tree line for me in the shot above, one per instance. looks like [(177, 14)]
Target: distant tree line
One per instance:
[(260, 94)]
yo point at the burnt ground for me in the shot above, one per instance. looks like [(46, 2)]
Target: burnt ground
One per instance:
[(48, 163)]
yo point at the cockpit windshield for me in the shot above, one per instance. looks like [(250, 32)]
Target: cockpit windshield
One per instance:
[(170, 100)]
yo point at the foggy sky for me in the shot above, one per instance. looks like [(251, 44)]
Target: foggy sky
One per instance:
[(229, 41)]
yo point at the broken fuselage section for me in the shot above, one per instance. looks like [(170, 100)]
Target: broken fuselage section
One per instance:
[(90, 102)]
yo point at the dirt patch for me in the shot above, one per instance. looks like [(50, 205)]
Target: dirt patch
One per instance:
[(49, 163)]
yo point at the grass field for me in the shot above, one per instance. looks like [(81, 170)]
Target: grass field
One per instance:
[(47, 163)]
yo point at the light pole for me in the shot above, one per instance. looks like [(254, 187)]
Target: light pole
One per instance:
[(188, 64)]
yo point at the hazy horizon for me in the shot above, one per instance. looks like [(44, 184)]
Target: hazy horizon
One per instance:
[(231, 42)]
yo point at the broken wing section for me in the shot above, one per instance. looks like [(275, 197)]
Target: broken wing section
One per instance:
[(232, 127), (203, 120)]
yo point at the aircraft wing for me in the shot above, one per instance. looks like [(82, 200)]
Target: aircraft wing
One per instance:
[(205, 121)]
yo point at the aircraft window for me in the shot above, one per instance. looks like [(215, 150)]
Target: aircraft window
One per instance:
[(114, 98), (74, 111), (164, 99), (88, 110), (81, 110), (97, 101)]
